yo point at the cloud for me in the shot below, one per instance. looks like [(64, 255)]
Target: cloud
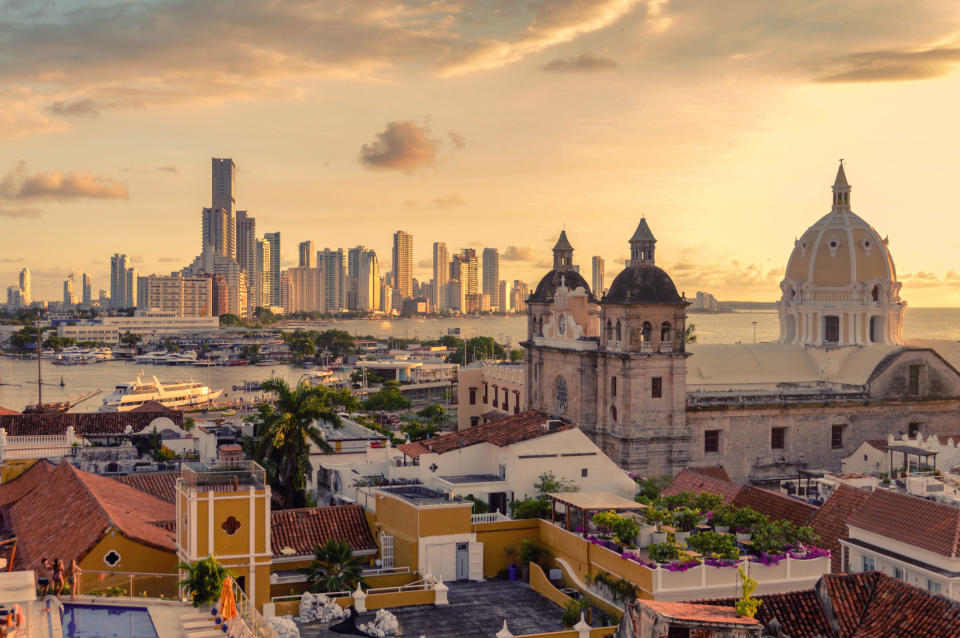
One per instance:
[(165, 260), (17, 184), (451, 201), (85, 106), (20, 212), (11, 260), (892, 65), (425, 263), (136, 259), (457, 140), (519, 253), (583, 63), (169, 168), (402, 146)]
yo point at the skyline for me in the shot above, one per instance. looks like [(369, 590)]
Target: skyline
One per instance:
[(457, 124)]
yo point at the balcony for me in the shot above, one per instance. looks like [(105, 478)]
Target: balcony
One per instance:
[(646, 346), (666, 346), (223, 477)]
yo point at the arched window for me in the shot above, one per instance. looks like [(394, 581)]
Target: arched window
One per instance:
[(560, 395), (876, 293), (609, 330), (619, 332), (613, 413), (613, 386), (540, 327), (646, 331), (666, 331)]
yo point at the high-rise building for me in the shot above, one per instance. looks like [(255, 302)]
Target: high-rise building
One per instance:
[(15, 299), (224, 184), (505, 296), (261, 275), (597, 283), (246, 240), (218, 231), (274, 275), (402, 267), (130, 289), (287, 298), (386, 296), (333, 265), (465, 267), (306, 251), (211, 262), (519, 296), (183, 296), (491, 276), (441, 275), (363, 280), (25, 286), (69, 299), (456, 295), (118, 280), (87, 291), (305, 289)]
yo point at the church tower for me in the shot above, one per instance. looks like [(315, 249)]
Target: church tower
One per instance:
[(641, 366)]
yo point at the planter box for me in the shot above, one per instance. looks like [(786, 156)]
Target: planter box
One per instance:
[(743, 537), (659, 537), (722, 529), (682, 536)]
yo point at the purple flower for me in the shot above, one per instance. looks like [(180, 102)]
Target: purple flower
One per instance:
[(767, 559), (677, 566), (721, 562)]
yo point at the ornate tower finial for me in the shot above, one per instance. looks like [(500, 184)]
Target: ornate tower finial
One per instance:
[(841, 190), (642, 244), (562, 253)]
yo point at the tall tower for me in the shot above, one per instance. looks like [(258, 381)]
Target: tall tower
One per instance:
[(402, 267), (218, 231), (69, 298), (246, 240), (598, 283), (491, 276), (274, 275), (224, 184), (306, 253), (118, 280), (441, 275), (25, 287), (261, 275), (333, 265), (87, 290)]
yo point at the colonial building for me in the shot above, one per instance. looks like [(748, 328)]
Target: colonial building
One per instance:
[(839, 374)]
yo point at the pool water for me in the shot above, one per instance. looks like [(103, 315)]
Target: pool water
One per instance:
[(106, 621)]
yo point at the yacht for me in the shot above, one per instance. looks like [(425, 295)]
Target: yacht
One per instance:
[(172, 394)]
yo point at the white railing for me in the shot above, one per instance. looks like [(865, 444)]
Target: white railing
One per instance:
[(666, 346), (646, 346), (256, 623), (489, 517)]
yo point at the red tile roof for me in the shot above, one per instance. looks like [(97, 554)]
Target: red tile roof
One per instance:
[(691, 480), (303, 529), (4, 410), (912, 520), (36, 474), (713, 471), (159, 484), (775, 505), (152, 406), (692, 612), (861, 605), (830, 523), (74, 511), (514, 429), (84, 423)]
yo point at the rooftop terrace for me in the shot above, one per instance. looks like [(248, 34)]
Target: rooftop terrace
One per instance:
[(223, 476)]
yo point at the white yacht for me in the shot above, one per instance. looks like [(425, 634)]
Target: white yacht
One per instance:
[(172, 394)]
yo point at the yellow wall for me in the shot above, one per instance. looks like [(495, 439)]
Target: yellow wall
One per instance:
[(374, 601), (223, 508), (497, 537), (542, 585), (453, 519), (134, 557)]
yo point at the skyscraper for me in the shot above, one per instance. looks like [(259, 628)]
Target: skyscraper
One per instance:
[(402, 267), (366, 280), (246, 240), (332, 265), (464, 267), (441, 275), (307, 251), (118, 280), (274, 275), (261, 283), (130, 289), (491, 275), (224, 184), (25, 286), (69, 299), (219, 231), (87, 291), (597, 283)]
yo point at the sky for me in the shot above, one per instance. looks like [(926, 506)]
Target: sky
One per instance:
[(482, 123)]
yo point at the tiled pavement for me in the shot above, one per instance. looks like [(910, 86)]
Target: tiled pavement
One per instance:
[(476, 610)]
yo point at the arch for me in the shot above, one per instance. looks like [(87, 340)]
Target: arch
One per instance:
[(646, 331), (540, 327), (665, 331), (609, 330), (613, 413), (619, 331), (875, 293), (876, 329)]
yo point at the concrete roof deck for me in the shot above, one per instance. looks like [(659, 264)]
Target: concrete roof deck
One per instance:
[(476, 610)]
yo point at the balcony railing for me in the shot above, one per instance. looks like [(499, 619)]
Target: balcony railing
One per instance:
[(217, 476), (666, 346), (489, 517), (646, 346)]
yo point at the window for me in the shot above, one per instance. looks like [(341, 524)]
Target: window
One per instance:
[(502, 472), (913, 385), (711, 441), (836, 437), (646, 331), (613, 413), (506, 400), (913, 429), (474, 420), (484, 393), (496, 397), (583, 473), (560, 395), (111, 558), (473, 396), (666, 331), (230, 526), (386, 549), (778, 438), (898, 573), (934, 587), (609, 330), (868, 564), (619, 331), (613, 386), (656, 387), (831, 329)]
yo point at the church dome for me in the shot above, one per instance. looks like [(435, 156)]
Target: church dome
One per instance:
[(552, 280), (841, 248), (643, 283)]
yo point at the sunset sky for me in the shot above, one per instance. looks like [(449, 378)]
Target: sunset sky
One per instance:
[(490, 123)]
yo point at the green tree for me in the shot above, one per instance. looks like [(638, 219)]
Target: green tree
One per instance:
[(548, 483), (130, 340), (473, 349), (336, 342), (285, 428), (204, 580), (264, 316), (25, 338), (516, 355), (389, 398), (230, 321), (334, 568), (436, 414), (690, 333), (251, 352), (419, 431), (300, 344)]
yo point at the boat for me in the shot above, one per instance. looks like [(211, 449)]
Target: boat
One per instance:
[(238, 362), (172, 394)]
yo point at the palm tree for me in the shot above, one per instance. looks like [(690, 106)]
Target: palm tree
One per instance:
[(204, 580), (285, 428), (334, 568), (690, 334)]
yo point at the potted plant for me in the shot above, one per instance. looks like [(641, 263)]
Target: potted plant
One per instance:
[(627, 529), (722, 519), (745, 520), (204, 580), (685, 520), (657, 517), (530, 552), (663, 552), (606, 523)]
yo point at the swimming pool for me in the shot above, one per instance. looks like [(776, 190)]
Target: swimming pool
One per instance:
[(106, 621)]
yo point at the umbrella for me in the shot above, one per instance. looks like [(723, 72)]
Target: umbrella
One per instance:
[(228, 605)]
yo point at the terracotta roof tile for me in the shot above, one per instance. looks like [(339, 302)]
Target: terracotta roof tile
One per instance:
[(303, 529), (713, 471), (152, 406), (159, 484), (4, 410), (84, 423), (898, 609), (800, 613), (75, 509), (691, 480), (774, 505), (830, 523), (36, 474), (912, 520), (692, 612), (514, 429)]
